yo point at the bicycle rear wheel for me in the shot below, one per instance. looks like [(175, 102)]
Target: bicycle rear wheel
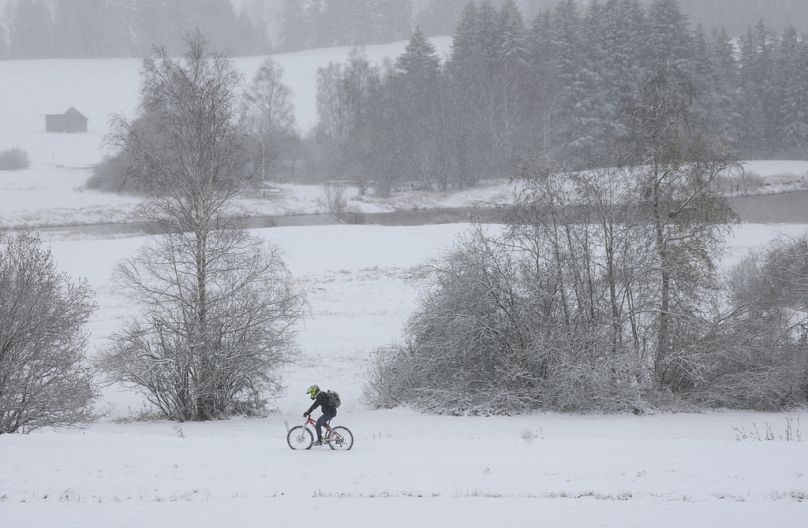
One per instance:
[(299, 438), (341, 439)]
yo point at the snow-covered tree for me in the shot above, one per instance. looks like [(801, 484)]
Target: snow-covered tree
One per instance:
[(218, 307), (270, 119), (44, 381)]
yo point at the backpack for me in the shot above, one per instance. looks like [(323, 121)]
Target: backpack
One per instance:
[(333, 399)]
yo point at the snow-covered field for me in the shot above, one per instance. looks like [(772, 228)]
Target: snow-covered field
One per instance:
[(406, 469), (362, 283)]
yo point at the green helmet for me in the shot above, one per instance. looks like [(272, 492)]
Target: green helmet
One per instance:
[(313, 391)]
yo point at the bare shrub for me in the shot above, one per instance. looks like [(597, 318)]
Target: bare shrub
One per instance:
[(754, 356), (43, 380), (739, 183), (608, 385), (123, 175), (198, 358), (791, 432), (14, 159), (336, 199), (485, 341)]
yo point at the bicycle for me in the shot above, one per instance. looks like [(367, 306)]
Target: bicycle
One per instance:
[(302, 437)]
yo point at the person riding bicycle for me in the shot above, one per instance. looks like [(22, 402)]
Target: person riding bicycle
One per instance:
[(321, 399)]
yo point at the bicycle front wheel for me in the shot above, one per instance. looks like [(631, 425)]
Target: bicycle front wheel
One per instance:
[(299, 438), (341, 439)]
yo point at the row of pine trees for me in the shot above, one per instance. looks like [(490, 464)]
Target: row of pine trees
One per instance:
[(439, 17), (308, 24), (36, 29), (555, 88), (111, 28)]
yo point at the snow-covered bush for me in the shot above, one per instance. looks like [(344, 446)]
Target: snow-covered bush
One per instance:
[(488, 340), (119, 174), (43, 380), (756, 355), (14, 159)]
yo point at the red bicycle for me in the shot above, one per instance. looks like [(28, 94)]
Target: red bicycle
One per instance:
[(302, 436)]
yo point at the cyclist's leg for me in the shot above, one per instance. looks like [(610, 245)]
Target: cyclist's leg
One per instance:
[(327, 420), (319, 426)]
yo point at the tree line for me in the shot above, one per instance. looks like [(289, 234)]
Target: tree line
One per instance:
[(602, 293), (439, 17), (553, 88), (36, 29), (116, 28)]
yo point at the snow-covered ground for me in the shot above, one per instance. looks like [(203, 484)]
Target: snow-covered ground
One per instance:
[(406, 469), (362, 283)]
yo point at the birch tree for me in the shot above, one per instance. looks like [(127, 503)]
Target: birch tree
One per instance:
[(689, 218), (218, 306)]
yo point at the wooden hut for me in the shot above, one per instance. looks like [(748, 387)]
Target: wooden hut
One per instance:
[(71, 121)]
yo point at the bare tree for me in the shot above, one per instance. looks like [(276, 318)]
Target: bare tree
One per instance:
[(219, 309), (270, 119), (678, 167), (43, 379), (199, 357)]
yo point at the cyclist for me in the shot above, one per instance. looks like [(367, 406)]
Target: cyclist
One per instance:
[(321, 399)]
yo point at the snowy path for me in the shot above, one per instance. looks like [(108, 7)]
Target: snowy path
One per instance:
[(610, 471)]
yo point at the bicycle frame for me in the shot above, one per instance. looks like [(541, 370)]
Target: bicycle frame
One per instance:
[(328, 430)]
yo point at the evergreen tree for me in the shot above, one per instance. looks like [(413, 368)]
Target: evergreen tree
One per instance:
[(3, 44), (489, 33), (466, 93), (465, 41), (420, 60), (315, 29), (760, 93), (441, 17), (794, 84), (294, 25), (30, 30), (514, 48), (669, 40), (567, 53), (217, 21), (90, 28), (391, 20), (152, 23), (252, 37), (725, 91)]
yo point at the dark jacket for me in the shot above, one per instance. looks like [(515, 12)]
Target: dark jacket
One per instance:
[(322, 400)]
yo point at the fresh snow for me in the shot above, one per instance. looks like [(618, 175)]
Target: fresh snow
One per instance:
[(406, 469), (362, 283)]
